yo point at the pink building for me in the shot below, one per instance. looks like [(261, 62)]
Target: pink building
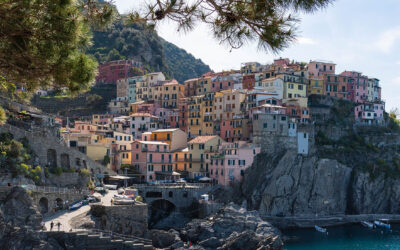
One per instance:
[(319, 68), (154, 160), (168, 117), (226, 129), (222, 82), (357, 86), (228, 167), (148, 107), (369, 113)]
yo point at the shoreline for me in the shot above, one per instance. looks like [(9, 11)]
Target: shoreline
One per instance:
[(298, 222)]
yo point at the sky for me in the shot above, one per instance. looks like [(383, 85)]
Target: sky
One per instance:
[(359, 35)]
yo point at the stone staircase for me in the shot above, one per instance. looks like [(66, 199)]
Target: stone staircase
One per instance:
[(102, 240)]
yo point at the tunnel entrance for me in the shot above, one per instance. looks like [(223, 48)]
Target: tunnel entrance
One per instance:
[(160, 209), (43, 205), (52, 158)]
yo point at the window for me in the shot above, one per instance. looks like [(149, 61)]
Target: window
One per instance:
[(265, 125)]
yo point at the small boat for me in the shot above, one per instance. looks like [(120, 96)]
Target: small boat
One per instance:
[(75, 205), (367, 224), (382, 223), (320, 229)]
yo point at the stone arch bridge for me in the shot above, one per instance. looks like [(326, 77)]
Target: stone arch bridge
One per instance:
[(181, 196)]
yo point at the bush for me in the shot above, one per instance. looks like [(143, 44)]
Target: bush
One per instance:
[(58, 171), (84, 172)]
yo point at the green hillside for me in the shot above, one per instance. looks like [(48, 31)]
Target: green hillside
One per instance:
[(140, 42)]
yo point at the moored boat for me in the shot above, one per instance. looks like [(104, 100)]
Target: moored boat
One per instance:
[(320, 229), (367, 224), (76, 205), (382, 223)]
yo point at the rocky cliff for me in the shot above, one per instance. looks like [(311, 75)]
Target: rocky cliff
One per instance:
[(333, 180)]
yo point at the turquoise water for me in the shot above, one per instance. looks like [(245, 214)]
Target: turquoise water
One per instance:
[(345, 238)]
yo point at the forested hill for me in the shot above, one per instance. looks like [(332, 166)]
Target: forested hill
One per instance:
[(138, 41), (183, 65)]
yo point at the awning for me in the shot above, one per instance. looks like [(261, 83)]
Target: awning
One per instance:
[(168, 173), (205, 179), (118, 177)]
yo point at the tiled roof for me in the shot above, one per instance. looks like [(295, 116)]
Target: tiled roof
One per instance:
[(202, 139), (166, 130)]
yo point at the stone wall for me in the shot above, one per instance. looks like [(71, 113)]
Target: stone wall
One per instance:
[(181, 197), (123, 219), (50, 151), (272, 143)]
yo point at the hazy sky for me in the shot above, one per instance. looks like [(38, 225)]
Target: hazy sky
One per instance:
[(360, 35)]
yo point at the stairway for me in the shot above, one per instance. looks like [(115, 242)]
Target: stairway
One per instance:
[(98, 240)]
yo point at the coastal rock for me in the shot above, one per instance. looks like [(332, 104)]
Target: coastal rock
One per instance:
[(288, 184), (374, 196), (163, 239), (297, 185), (18, 209), (225, 230)]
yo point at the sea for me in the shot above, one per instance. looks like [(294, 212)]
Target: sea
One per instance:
[(347, 237)]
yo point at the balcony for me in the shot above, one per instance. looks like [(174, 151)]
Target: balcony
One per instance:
[(218, 156), (195, 160)]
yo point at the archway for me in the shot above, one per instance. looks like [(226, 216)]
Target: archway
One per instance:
[(160, 209), (43, 205), (65, 161), (153, 194), (52, 158), (59, 203)]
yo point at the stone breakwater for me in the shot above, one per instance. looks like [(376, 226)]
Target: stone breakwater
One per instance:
[(327, 221)]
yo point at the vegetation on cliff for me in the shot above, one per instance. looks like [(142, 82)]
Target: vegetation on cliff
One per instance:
[(85, 104), (16, 157), (123, 40)]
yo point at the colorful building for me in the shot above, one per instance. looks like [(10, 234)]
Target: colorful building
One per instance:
[(199, 149), (228, 166), (112, 71)]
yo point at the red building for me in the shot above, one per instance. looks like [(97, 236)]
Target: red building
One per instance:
[(112, 71), (249, 81)]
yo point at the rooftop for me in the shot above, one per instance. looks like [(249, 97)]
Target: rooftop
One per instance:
[(166, 130), (154, 143), (202, 139)]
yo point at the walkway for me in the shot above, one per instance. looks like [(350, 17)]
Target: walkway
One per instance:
[(65, 216)]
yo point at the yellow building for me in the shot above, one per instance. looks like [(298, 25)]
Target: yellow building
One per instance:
[(181, 161), (199, 151), (176, 138), (315, 86), (228, 103), (171, 94), (133, 107), (123, 141), (293, 86), (203, 85), (206, 111), (195, 116)]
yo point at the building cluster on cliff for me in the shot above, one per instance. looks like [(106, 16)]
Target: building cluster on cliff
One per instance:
[(214, 125)]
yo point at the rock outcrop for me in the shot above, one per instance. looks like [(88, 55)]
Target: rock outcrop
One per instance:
[(232, 227), (288, 184)]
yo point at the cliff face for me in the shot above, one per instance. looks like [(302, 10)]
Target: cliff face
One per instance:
[(294, 185)]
